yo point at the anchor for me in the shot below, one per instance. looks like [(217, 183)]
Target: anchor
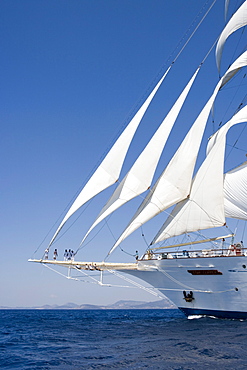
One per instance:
[(188, 296)]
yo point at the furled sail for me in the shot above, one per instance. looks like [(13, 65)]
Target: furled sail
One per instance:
[(108, 171), (204, 208), (235, 192), (138, 180), (238, 20), (175, 182)]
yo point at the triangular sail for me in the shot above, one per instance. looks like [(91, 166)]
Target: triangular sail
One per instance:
[(238, 20), (137, 179), (174, 183), (235, 192), (108, 171), (204, 208)]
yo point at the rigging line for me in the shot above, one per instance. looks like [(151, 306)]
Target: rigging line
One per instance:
[(68, 228), (81, 246), (96, 281), (234, 145), (211, 219), (149, 290), (190, 37), (59, 273), (243, 233), (116, 286), (46, 236), (209, 51), (108, 285), (214, 242), (106, 223), (186, 237), (237, 87), (85, 281), (130, 254), (143, 235), (237, 44)]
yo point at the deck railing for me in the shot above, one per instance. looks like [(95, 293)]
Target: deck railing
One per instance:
[(233, 250)]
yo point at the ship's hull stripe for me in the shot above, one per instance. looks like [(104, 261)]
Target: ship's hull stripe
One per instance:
[(215, 313)]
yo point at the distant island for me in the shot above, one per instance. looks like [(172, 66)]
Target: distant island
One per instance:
[(120, 305)]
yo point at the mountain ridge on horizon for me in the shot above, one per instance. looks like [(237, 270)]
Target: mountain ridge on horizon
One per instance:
[(122, 304)]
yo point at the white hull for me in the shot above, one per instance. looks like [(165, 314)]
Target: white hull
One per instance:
[(222, 295)]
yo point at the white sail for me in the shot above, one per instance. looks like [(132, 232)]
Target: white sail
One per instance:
[(238, 20), (108, 171), (204, 208), (140, 176), (175, 182), (226, 7), (235, 192)]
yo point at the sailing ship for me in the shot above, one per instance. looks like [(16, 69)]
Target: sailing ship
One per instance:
[(200, 199)]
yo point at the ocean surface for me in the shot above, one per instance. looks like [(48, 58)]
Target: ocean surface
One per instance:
[(119, 339)]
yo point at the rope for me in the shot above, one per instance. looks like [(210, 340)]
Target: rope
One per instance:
[(244, 231), (192, 34), (135, 283)]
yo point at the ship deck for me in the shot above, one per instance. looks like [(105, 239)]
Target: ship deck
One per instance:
[(235, 250)]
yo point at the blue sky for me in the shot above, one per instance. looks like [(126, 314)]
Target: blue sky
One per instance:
[(72, 73)]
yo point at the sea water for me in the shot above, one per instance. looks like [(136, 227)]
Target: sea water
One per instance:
[(119, 339)]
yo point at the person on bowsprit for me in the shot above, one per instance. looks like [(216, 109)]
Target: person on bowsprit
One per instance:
[(55, 255), (72, 255), (46, 253)]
